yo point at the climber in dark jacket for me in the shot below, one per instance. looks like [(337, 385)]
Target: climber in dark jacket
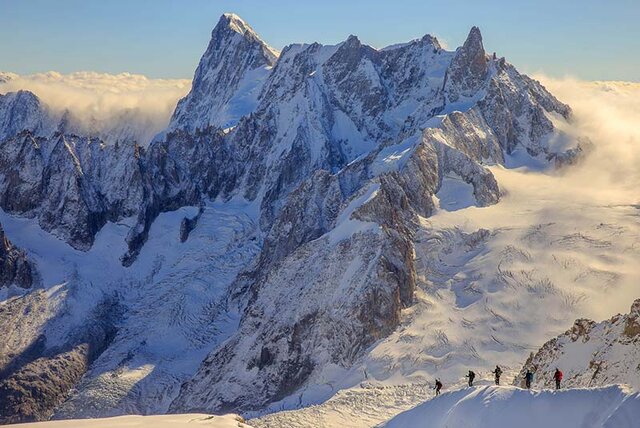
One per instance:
[(497, 372), (471, 377), (438, 387), (528, 378), (557, 376)]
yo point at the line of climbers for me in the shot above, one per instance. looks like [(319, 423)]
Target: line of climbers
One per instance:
[(528, 378)]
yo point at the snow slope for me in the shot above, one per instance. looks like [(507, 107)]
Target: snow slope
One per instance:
[(506, 407), (168, 421), (591, 354), (173, 308)]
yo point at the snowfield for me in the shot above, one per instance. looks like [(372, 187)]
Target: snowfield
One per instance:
[(167, 421), (506, 407), (477, 407)]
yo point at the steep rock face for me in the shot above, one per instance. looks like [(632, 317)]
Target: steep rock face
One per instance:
[(289, 334), (72, 184), (228, 79), (591, 354), (517, 108), (468, 71), (15, 268), (180, 170), (31, 392)]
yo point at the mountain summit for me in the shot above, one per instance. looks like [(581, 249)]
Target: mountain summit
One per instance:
[(228, 79)]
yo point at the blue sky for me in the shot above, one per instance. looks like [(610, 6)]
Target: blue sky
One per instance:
[(589, 39)]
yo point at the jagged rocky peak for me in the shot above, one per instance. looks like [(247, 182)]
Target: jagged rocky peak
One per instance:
[(232, 22), (229, 78), (469, 68), (473, 54), (431, 40)]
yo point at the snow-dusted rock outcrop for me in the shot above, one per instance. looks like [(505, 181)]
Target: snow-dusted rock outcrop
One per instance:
[(36, 376), (591, 354)]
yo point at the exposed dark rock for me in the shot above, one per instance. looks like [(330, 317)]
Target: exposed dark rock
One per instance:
[(32, 392), (188, 224), (15, 268)]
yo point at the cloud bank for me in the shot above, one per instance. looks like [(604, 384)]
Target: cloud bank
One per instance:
[(117, 104), (608, 114)]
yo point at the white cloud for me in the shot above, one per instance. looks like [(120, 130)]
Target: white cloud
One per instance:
[(111, 100), (607, 113)]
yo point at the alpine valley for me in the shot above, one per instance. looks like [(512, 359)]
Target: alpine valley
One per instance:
[(322, 230)]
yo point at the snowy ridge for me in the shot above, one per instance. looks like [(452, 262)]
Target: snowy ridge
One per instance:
[(495, 407), (591, 354), (169, 421)]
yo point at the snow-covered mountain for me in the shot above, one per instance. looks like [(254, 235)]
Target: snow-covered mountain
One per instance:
[(229, 78), (290, 234), (591, 354)]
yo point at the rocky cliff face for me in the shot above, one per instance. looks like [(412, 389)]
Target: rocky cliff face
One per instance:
[(73, 184), (15, 268), (333, 153), (591, 354), (37, 377)]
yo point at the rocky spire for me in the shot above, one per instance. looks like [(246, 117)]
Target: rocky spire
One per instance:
[(468, 69), (228, 79)]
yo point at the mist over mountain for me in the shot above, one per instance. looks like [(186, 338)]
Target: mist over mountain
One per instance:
[(111, 106)]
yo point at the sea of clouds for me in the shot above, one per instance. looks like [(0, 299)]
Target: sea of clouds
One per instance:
[(608, 113), (110, 102)]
